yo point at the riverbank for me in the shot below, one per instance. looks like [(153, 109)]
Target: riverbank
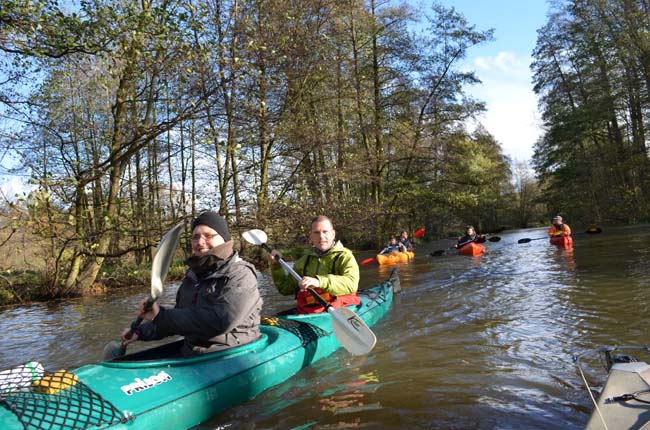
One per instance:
[(22, 286)]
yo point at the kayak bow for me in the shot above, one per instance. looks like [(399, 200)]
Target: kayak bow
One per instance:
[(472, 249), (154, 390), (395, 257)]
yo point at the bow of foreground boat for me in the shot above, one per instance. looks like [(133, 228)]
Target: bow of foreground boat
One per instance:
[(153, 390), (624, 401)]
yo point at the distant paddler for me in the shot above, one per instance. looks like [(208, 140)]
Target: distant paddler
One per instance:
[(558, 228)]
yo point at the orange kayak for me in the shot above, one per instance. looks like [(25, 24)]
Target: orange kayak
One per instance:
[(395, 257), (564, 241), (472, 249)]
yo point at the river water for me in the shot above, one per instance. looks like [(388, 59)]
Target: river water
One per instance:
[(470, 343)]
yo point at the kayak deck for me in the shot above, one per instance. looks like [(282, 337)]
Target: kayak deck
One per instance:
[(624, 402), (562, 241), (472, 249), (135, 392)]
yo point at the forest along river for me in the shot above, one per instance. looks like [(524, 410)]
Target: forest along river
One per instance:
[(471, 343)]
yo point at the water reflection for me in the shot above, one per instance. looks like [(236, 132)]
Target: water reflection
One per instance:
[(483, 342)]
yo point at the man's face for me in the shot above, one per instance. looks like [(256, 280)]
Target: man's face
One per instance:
[(322, 235), (204, 238)]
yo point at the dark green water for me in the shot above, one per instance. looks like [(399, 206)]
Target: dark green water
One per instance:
[(471, 343)]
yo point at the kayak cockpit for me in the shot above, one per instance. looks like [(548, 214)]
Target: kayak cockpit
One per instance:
[(169, 354)]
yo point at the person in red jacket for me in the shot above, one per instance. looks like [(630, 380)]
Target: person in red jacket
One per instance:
[(558, 228)]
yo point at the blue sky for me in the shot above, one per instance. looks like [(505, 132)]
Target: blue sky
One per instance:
[(503, 66)]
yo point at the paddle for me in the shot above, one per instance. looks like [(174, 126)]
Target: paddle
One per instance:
[(419, 232), (367, 261), (481, 239), (590, 230), (159, 268), (350, 330)]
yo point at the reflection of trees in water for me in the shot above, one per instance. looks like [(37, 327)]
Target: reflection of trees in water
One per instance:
[(352, 398)]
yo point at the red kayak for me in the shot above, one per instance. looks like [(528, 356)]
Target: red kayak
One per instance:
[(472, 249), (563, 241)]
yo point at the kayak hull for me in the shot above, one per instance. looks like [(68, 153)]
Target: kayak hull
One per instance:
[(472, 249), (179, 393), (562, 241), (395, 257)]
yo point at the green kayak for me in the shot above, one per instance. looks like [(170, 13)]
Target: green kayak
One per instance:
[(146, 391)]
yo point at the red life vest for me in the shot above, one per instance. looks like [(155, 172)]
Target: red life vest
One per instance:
[(307, 304)]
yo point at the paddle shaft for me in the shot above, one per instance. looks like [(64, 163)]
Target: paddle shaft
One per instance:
[(297, 277), (135, 324), (592, 230)]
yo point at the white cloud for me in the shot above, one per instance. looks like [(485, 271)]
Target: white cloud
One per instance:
[(512, 116)]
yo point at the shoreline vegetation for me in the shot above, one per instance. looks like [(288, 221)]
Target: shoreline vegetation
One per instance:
[(24, 285)]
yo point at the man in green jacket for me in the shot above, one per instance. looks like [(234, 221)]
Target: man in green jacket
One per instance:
[(329, 268)]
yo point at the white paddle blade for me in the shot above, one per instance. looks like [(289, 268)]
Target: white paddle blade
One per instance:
[(351, 331), (255, 237), (163, 259)]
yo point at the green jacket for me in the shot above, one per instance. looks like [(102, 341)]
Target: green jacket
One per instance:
[(337, 271)]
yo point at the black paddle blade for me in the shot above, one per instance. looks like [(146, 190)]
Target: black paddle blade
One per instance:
[(494, 238), (594, 230), (437, 253), (526, 240)]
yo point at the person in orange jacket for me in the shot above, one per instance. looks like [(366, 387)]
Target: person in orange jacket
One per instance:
[(558, 228)]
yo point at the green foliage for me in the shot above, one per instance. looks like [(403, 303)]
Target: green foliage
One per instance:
[(591, 74), (143, 114)]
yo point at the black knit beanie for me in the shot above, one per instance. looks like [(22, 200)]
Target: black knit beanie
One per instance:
[(214, 221)]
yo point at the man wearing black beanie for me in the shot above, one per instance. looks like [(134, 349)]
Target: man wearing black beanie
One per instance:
[(215, 222), (218, 304)]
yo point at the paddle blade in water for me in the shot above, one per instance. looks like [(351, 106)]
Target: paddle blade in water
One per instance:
[(593, 230), (419, 232), (112, 350), (494, 238), (351, 331), (437, 253), (367, 261), (526, 240)]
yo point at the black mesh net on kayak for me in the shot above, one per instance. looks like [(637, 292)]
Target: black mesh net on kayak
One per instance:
[(306, 332), (42, 400)]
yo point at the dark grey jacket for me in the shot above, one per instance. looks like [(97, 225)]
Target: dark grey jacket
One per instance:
[(218, 310)]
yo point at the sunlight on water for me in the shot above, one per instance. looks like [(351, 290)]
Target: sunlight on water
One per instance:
[(471, 342)]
